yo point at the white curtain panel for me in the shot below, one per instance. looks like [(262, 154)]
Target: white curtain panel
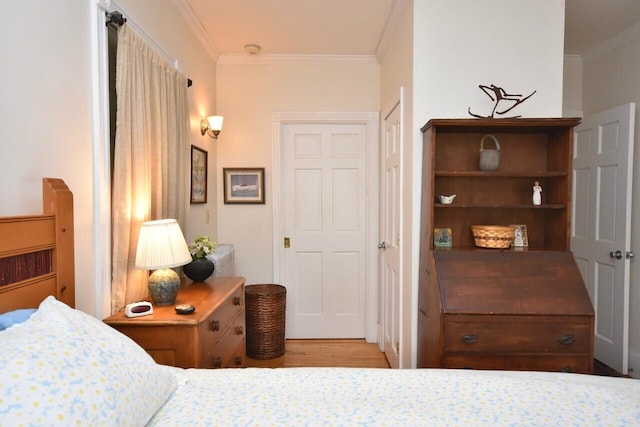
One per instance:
[(150, 159)]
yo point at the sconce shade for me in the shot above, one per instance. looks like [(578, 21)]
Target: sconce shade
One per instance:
[(212, 126), (161, 246)]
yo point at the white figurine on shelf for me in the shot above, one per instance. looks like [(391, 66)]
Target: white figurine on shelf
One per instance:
[(537, 197)]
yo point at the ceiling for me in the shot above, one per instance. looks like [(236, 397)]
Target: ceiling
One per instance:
[(339, 27)]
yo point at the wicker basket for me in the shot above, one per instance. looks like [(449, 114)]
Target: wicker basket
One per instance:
[(492, 236), (265, 316)]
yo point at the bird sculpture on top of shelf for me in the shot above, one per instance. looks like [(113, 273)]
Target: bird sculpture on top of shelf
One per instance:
[(498, 95)]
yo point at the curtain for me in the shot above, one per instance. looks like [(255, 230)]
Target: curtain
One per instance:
[(150, 156)]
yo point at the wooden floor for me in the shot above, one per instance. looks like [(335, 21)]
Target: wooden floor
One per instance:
[(349, 353)]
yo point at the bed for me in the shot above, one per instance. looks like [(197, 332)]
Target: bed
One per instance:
[(60, 366)]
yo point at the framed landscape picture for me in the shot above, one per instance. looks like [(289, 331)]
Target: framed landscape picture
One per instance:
[(198, 175), (243, 185)]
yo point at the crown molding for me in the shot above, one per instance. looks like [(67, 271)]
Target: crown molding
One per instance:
[(269, 59), (398, 8), (197, 28), (575, 60), (613, 43)]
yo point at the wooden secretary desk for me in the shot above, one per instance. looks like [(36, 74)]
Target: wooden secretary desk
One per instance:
[(525, 309)]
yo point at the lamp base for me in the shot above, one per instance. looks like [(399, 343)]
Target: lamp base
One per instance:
[(163, 286)]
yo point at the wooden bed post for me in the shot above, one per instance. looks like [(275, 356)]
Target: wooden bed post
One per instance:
[(57, 200)]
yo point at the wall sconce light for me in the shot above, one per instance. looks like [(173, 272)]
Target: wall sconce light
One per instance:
[(212, 126)]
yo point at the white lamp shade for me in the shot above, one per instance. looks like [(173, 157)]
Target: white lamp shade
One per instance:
[(215, 122), (161, 245)]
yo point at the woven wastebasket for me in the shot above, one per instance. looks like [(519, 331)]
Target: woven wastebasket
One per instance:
[(265, 315)]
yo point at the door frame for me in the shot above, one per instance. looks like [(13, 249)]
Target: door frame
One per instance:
[(372, 121)]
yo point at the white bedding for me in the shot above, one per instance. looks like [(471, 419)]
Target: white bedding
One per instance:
[(61, 367), (427, 397)]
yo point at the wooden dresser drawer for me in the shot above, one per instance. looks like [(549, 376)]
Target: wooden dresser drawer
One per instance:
[(578, 363), (213, 327), (518, 334), (218, 354)]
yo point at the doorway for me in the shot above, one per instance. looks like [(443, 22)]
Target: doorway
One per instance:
[(368, 122), (601, 225)]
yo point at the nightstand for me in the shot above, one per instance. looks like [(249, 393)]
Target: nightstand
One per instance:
[(211, 337)]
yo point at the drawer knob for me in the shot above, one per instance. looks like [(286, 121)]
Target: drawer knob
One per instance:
[(238, 361), (217, 362), (566, 339), (239, 330), (237, 301), (215, 325), (469, 338)]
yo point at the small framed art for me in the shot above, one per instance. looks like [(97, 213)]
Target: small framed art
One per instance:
[(520, 238), (198, 175), (243, 185), (442, 238)]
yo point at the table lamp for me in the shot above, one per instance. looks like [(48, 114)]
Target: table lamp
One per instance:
[(161, 246)]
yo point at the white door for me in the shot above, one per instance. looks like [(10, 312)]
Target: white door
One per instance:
[(390, 214), (601, 225), (324, 192)]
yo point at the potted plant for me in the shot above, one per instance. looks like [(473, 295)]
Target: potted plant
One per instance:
[(200, 267)]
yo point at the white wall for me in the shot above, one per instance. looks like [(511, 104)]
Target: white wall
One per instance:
[(610, 77), (572, 87), (251, 88), (47, 118)]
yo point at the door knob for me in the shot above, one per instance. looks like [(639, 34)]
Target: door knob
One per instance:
[(615, 255), (382, 245)]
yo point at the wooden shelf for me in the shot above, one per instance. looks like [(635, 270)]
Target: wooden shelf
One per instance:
[(515, 301), (484, 174), (496, 206)]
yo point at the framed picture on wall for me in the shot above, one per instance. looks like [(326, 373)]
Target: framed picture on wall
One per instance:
[(243, 185), (198, 175)]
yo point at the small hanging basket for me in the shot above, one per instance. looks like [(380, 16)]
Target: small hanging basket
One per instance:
[(489, 158)]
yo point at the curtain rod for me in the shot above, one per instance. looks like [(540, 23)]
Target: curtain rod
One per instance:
[(116, 19)]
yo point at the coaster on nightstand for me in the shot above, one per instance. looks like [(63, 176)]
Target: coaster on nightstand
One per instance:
[(185, 309)]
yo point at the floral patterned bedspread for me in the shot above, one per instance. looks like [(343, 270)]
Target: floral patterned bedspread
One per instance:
[(424, 397)]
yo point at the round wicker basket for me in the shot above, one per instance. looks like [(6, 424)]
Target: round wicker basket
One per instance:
[(492, 236)]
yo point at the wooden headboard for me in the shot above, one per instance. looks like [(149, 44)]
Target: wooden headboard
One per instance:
[(36, 252)]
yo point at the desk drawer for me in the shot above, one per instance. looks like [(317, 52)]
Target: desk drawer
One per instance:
[(515, 334), (577, 363)]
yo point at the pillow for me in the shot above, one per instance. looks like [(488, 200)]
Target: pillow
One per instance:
[(10, 318), (64, 367)]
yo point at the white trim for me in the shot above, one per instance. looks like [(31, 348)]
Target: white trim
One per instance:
[(575, 60), (613, 43), (270, 59), (197, 29), (397, 10), (372, 120), (101, 164)]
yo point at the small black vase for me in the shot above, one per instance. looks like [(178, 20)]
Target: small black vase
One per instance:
[(199, 269)]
